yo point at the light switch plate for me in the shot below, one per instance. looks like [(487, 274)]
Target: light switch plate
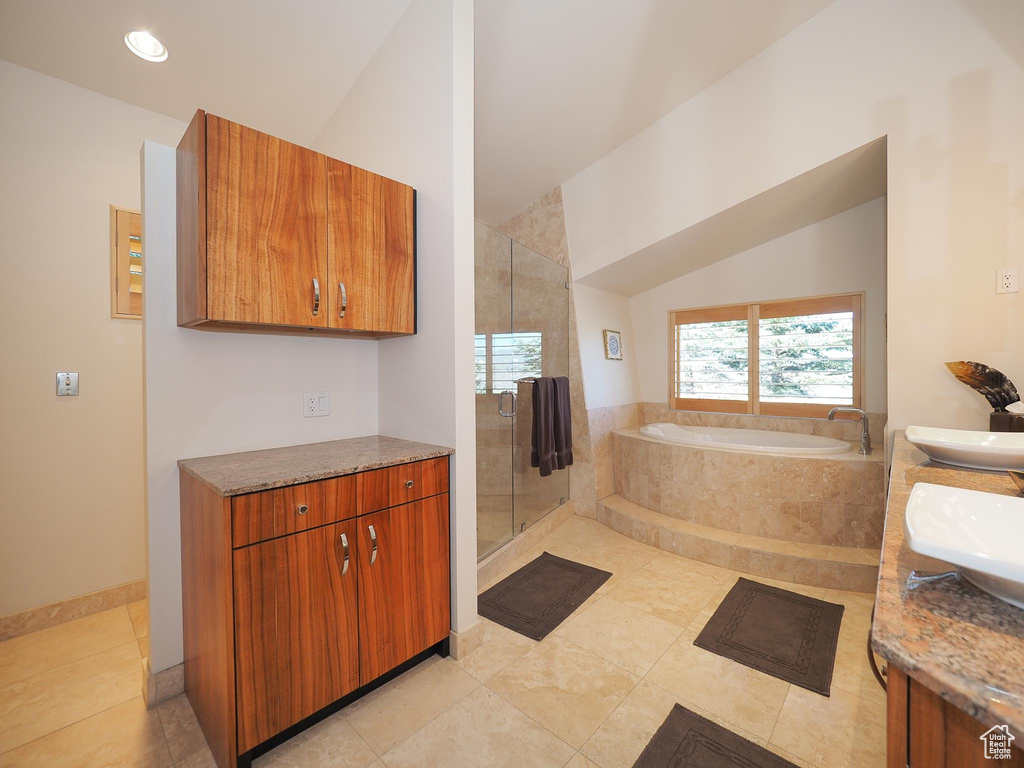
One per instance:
[(67, 384), (316, 404)]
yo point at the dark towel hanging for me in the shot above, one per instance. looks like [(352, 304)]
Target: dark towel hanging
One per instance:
[(551, 434)]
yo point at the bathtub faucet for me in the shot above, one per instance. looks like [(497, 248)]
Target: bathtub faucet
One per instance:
[(865, 438)]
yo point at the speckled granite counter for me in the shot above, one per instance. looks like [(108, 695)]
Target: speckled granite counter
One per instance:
[(957, 640), (235, 473)]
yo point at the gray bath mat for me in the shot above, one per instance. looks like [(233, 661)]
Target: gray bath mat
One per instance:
[(540, 595), (781, 633), (687, 740)]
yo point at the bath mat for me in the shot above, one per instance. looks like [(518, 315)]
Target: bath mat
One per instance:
[(781, 633), (687, 740), (540, 595)]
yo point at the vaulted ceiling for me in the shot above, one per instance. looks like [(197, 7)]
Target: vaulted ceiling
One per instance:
[(559, 84)]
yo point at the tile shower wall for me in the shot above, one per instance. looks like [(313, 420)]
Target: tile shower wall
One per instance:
[(541, 227)]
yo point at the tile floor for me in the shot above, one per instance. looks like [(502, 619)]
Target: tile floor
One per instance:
[(591, 694)]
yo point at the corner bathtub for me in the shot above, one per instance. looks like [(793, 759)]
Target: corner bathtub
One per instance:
[(751, 440)]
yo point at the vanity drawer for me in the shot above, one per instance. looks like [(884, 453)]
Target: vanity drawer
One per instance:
[(268, 514), (409, 482)]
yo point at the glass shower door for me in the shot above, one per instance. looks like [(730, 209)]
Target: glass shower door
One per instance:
[(540, 337), (494, 447)]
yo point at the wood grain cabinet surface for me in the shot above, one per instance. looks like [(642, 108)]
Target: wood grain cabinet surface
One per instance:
[(274, 237), (296, 597)]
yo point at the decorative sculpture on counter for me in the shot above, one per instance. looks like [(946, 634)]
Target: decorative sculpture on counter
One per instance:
[(993, 384)]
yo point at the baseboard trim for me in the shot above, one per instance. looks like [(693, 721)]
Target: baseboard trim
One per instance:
[(468, 640), (160, 686), (34, 619)]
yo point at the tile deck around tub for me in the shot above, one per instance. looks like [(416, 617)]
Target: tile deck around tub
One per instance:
[(592, 693)]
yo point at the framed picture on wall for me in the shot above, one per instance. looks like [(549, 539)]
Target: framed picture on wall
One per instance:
[(612, 345)]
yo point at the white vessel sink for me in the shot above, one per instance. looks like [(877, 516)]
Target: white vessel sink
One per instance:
[(966, 448), (981, 533)]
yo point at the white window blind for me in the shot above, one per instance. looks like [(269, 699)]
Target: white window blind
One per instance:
[(502, 358)]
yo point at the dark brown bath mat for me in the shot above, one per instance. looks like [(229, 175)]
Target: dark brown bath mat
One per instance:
[(781, 633), (687, 740), (540, 595)]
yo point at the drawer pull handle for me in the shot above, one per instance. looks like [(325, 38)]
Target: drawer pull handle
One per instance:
[(373, 540), (316, 296), (303, 509), (408, 483), (344, 300), (344, 544)]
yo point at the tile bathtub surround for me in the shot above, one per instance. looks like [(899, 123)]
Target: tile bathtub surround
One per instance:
[(957, 640), (513, 701), (831, 500), (236, 473)]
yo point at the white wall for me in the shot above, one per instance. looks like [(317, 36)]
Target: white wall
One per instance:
[(605, 382), (410, 116), (842, 254), (208, 393), (930, 76), (72, 517)]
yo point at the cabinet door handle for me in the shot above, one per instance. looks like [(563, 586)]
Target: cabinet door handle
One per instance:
[(344, 544), (373, 540), (303, 509), (344, 300), (408, 483), (316, 296)]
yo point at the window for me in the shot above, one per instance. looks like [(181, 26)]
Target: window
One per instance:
[(125, 263), (799, 357), (501, 358)]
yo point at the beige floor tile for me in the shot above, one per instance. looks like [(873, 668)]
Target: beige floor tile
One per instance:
[(22, 657), (144, 647), (201, 759), (685, 569), (852, 672), (579, 760), (56, 698), (184, 736), (576, 532), (137, 612), (498, 648), (397, 710), (731, 691), (123, 736), (664, 596), (330, 742), (623, 736), (842, 730), (482, 731), (565, 688), (620, 634), (617, 554)]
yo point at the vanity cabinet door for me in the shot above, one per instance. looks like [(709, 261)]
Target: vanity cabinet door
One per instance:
[(371, 251), (296, 641), (266, 224), (403, 584)]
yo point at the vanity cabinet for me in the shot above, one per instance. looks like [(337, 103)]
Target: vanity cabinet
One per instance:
[(275, 237), (297, 597)]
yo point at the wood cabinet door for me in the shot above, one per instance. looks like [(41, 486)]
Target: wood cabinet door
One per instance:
[(372, 241), (295, 627), (404, 600), (266, 224)]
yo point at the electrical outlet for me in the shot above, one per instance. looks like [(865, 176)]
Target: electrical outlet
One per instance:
[(316, 404), (1007, 280)]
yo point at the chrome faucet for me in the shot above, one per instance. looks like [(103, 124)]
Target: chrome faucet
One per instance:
[(865, 438)]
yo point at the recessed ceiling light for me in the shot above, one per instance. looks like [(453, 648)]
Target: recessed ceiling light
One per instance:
[(145, 46)]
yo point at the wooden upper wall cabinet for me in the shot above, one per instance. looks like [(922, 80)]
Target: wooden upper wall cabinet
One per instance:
[(274, 237)]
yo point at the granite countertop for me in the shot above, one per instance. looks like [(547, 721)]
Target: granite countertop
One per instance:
[(959, 641), (232, 474)]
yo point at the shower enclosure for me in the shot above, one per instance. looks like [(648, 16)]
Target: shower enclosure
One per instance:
[(522, 331)]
